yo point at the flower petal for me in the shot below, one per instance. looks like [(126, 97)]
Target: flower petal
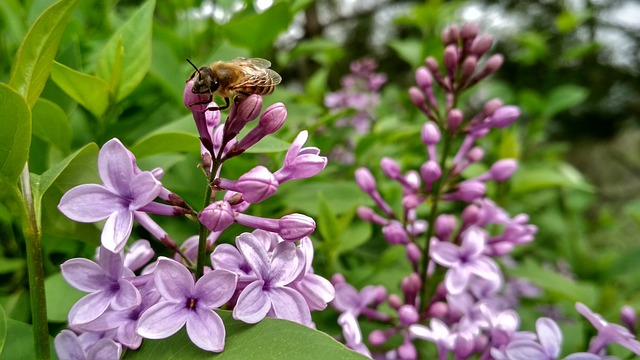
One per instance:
[(288, 304), (110, 262), (127, 297), (104, 349), (456, 280), (255, 254), (115, 167), (316, 290), (84, 275), (173, 281), (227, 257), (473, 242), (444, 253), (206, 330), (89, 307), (286, 263), (116, 230), (295, 147), (68, 346), (144, 189), (89, 203), (550, 336), (253, 304), (525, 350), (215, 288), (162, 320)]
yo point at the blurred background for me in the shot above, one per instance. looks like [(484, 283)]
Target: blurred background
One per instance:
[(571, 66)]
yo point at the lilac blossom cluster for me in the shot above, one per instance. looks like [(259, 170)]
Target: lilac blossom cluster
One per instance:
[(134, 294), (456, 296), (360, 93)]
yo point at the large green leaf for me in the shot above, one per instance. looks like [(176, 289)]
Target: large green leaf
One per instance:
[(3, 328), (564, 97), (19, 342), (528, 179), (345, 196), (36, 53), (15, 137), (269, 339), (133, 40), (51, 124), (60, 297), (87, 90), (258, 31)]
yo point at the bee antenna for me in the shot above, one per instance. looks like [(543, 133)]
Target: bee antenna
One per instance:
[(195, 67)]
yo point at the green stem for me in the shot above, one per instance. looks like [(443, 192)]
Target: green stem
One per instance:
[(204, 232), (33, 240)]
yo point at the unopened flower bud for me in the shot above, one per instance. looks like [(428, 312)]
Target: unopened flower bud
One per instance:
[(337, 279), (493, 64), (432, 64), (217, 216), (502, 170), (430, 134), (395, 234), (450, 35), (491, 106), (454, 119), (505, 116), (469, 66), (191, 100), (407, 314), (470, 215), (241, 113), (395, 302), (430, 172), (450, 59), (377, 337), (424, 78), (481, 45), (438, 310), (469, 30), (444, 226), (365, 180), (628, 317), (390, 168), (271, 121), (468, 191), (367, 214), (411, 284), (475, 154), (256, 185), (417, 98), (413, 253), (407, 350), (464, 345), (294, 227)]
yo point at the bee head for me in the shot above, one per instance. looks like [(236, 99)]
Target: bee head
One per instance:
[(205, 80)]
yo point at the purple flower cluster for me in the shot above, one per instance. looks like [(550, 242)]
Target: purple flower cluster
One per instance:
[(456, 297), (132, 296)]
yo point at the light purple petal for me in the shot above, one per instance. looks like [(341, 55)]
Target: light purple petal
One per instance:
[(286, 264), (89, 203), (115, 167), (104, 349), (68, 346), (227, 257), (253, 304), (483, 267), (525, 350), (89, 307), (456, 280), (288, 304), (84, 275), (346, 298), (215, 288), (110, 262), (295, 147), (550, 336), (472, 242), (173, 281), (316, 290), (583, 356), (144, 189), (116, 230), (162, 320), (444, 253), (127, 297), (206, 330), (255, 254)]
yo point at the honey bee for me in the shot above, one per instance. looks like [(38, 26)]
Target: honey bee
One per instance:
[(239, 78)]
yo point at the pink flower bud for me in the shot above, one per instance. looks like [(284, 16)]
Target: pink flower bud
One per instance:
[(454, 119), (470, 215), (395, 234), (365, 180), (502, 170), (294, 227), (468, 191), (438, 309), (407, 314), (469, 30), (430, 172), (481, 45), (377, 337), (469, 66), (395, 302), (390, 168), (430, 134), (504, 116), (450, 59), (493, 64), (217, 216), (444, 226), (407, 350), (424, 78), (491, 106), (450, 35), (432, 64), (191, 100), (413, 253), (257, 185), (475, 154)]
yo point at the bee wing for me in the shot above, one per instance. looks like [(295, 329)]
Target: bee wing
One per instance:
[(256, 75), (257, 62)]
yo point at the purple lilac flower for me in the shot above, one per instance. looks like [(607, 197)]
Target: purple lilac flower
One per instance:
[(107, 283), (269, 294), (138, 255), (126, 191), (547, 347), (352, 333), (186, 302), (316, 290), (299, 162), (465, 261), (608, 332), (86, 346)]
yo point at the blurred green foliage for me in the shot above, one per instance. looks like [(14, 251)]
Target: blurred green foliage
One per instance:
[(120, 68)]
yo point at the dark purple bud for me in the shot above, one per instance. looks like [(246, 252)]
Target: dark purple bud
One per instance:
[(469, 66), (628, 317), (430, 134), (470, 215), (390, 168), (424, 78), (413, 253), (450, 35), (395, 234), (493, 64), (217, 216), (481, 45), (432, 64), (294, 227), (365, 180), (469, 30), (450, 59), (454, 119), (430, 172), (407, 314), (502, 170)]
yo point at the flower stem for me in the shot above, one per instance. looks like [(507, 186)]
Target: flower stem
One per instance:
[(33, 240)]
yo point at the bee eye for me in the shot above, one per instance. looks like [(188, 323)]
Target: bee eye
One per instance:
[(215, 85)]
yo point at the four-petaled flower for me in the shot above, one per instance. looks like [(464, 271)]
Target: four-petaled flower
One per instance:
[(186, 302)]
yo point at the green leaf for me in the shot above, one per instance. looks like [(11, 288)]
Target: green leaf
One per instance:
[(133, 39), (358, 233), (80, 161), (166, 142), (409, 50), (36, 53), (10, 265), (268, 339), (15, 137), (269, 144), (345, 195), (258, 31), (528, 179), (328, 224), (51, 124), (60, 297), (19, 342), (564, 97), (87, 90), (3, 328)]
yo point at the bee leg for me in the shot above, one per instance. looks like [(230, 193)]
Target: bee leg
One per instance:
[(226, 105), (203, 102)]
